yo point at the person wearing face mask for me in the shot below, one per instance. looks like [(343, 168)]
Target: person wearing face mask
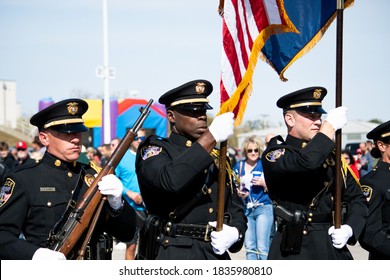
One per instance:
[(178, 179), (300, 176)]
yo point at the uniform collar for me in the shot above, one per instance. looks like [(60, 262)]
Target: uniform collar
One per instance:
[(382, 166), (180, 140), (295, 142), (55, 162)]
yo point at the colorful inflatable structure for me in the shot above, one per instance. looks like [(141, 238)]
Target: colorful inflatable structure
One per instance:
[(124, 113)]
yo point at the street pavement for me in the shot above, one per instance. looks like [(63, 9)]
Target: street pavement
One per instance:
[(357, 251)]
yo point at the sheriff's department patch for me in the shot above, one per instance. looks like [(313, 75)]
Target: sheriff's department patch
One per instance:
[(150, 151), (367, 192), (6, 191), (274, 155), (89, 179)]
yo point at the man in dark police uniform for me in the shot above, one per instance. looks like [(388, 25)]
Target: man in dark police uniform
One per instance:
[(33, 198), (300, 175), (178, 181), (376, 186)]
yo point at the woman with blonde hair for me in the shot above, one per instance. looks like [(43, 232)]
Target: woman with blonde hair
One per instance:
[(258, 206)]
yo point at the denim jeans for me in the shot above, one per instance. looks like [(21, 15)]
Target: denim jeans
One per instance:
[(258, 234)]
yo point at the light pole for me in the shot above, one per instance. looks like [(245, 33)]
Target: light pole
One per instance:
[(106, 108), (4, 102)]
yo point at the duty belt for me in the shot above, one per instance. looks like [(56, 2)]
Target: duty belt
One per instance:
[(188, 230)]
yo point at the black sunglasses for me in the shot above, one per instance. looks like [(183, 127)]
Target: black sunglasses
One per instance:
[(253, 150), (142, 138)]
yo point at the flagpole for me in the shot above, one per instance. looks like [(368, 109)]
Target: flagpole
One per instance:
[(221, 185), (222, 165), (339, 68)]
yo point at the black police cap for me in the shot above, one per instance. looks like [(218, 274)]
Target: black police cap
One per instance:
[(381, 132), (307, 100), (64, 116), (190, 96)]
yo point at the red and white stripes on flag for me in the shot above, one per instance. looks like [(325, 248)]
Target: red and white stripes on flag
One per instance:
[(247, 24)]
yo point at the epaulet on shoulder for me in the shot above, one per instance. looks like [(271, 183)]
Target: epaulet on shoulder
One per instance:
[(157, 138), (95, 166), (279, 140)]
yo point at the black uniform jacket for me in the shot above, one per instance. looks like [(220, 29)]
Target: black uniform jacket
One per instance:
[(299, 176), (33, 198), (376, 235), (171, 172)]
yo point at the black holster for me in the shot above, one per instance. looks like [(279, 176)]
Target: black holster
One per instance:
[(149, 238), (292, 233), (104, 247)]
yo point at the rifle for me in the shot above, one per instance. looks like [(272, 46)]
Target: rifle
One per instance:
[(79, 218)]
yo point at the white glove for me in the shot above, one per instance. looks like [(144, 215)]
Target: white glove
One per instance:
[(111, 186), (222, 126), (340, 235), (337, 117), (47, 254), (222, 240)]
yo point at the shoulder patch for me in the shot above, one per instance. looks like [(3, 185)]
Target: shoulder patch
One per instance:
[(367, 192), (6, 191), (150, 151), (274, 155), (89, 178)]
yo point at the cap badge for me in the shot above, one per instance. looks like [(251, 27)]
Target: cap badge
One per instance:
[(200, 87), (72, 108), (317, 93)]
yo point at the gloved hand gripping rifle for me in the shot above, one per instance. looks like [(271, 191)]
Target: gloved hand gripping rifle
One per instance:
[(86, 211)]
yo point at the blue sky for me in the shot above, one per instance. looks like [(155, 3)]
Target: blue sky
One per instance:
[(52, 49)]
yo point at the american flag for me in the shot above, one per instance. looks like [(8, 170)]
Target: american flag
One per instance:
[(247, 24)]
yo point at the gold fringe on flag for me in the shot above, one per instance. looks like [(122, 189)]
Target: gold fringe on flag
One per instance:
[(310, 44)]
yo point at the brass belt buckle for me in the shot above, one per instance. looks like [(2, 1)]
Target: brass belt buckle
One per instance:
[(206, 237)]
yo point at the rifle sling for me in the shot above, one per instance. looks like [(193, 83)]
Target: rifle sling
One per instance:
[(71, 204)]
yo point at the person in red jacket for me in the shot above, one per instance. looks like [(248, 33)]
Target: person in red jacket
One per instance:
[(348, 157)]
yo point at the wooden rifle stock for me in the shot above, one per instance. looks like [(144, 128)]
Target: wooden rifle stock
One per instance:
[(65, 238)]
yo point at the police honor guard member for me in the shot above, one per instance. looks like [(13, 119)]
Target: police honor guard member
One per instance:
[(376, 186), (178, 181), (33, 198), (300, 173)]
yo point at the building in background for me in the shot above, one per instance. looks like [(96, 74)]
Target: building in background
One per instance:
[(10, 110)]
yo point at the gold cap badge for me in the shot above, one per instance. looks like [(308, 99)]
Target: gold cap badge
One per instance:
[(317, 93), (72, 108), (200, 87)]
